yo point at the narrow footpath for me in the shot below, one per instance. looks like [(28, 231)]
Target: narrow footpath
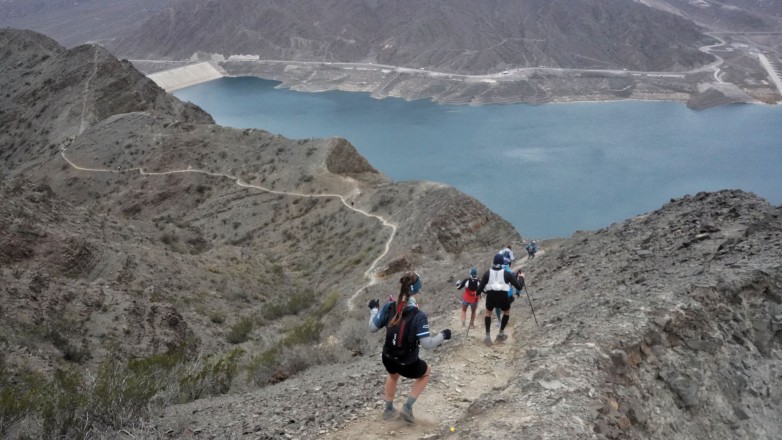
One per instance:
[(369, 274)]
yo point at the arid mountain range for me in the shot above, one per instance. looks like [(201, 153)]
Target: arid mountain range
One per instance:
[(165, 277), (452, 51), (459, 36)]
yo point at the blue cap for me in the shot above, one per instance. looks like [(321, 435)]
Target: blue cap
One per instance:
[(499, 260), (473, 272)]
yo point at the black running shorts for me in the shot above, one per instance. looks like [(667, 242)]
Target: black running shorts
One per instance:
[(495, 299), (411, 371)]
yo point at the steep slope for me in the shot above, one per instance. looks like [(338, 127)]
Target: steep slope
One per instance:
[(73, 23), (667, 325), (727, 15), (51, 95), (133, 228), (452, 36)]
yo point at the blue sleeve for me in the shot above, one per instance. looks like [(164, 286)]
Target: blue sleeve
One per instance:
[(381, 318), (421, 325)]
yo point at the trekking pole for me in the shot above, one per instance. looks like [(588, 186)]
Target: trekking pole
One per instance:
[(530, 306)]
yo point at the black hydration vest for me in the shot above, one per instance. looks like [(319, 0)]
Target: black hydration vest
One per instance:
[(401, 342)]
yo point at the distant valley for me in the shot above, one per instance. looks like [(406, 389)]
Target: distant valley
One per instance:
[(509, 51)]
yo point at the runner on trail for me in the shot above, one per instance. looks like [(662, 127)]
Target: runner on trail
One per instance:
[(496, 282), (532, 248), (470, 286), (407, 327), (520, 279)]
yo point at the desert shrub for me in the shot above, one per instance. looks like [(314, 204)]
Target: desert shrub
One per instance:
[(292, 360), (212, 375), (16, 399), (260, 367), (120, 393), (306, 333), (328, 303), (70, 352), (294, 304), (71, 405), (271, 365), (278, 364), (169, 238), (216, 317), (62, 407), (240, 331), (353, 335)]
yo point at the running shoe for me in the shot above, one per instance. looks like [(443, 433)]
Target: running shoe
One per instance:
[(407, 414), (487, 341)]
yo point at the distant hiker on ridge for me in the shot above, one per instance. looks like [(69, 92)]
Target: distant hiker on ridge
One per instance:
[(532, 248), (406, 328), (496, 282), (470, 297)]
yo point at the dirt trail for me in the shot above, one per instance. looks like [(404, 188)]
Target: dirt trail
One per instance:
[(465, 370)]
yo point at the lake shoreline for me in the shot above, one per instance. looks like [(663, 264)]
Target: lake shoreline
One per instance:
[(571, 167), (474, 90)]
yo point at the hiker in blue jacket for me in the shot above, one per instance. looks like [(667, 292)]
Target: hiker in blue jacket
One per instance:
[(496, 282), (532, 249), (407, 327)]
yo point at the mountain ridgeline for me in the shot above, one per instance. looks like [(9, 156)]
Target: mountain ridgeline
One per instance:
[(458, 36), (166, 277)]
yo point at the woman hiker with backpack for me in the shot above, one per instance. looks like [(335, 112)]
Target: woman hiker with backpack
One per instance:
[(407, 327), (470, 298)]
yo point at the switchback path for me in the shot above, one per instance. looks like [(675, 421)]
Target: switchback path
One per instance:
[(369, 273)]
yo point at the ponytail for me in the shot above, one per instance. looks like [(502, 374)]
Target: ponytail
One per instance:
[(405, 290)]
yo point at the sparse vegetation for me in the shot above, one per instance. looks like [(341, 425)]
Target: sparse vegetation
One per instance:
[(70, 351), (72, 405), (240, 331), (211, 376), (295, 303)]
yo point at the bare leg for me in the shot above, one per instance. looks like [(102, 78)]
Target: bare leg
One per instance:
[(419, 384), (464, 313), (391, 381)]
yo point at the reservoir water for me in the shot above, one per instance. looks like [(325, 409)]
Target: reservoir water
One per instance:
[(549, 170)]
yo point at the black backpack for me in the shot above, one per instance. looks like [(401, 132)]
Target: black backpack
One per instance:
[(401, 342), (472, 284)]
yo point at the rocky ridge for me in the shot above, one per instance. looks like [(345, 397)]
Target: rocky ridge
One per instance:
[(667, 325), (133, 227)]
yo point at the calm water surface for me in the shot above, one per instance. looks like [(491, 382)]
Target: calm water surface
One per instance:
[(550, 170)]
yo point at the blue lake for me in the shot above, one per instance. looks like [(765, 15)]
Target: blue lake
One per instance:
[(549, 170)]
